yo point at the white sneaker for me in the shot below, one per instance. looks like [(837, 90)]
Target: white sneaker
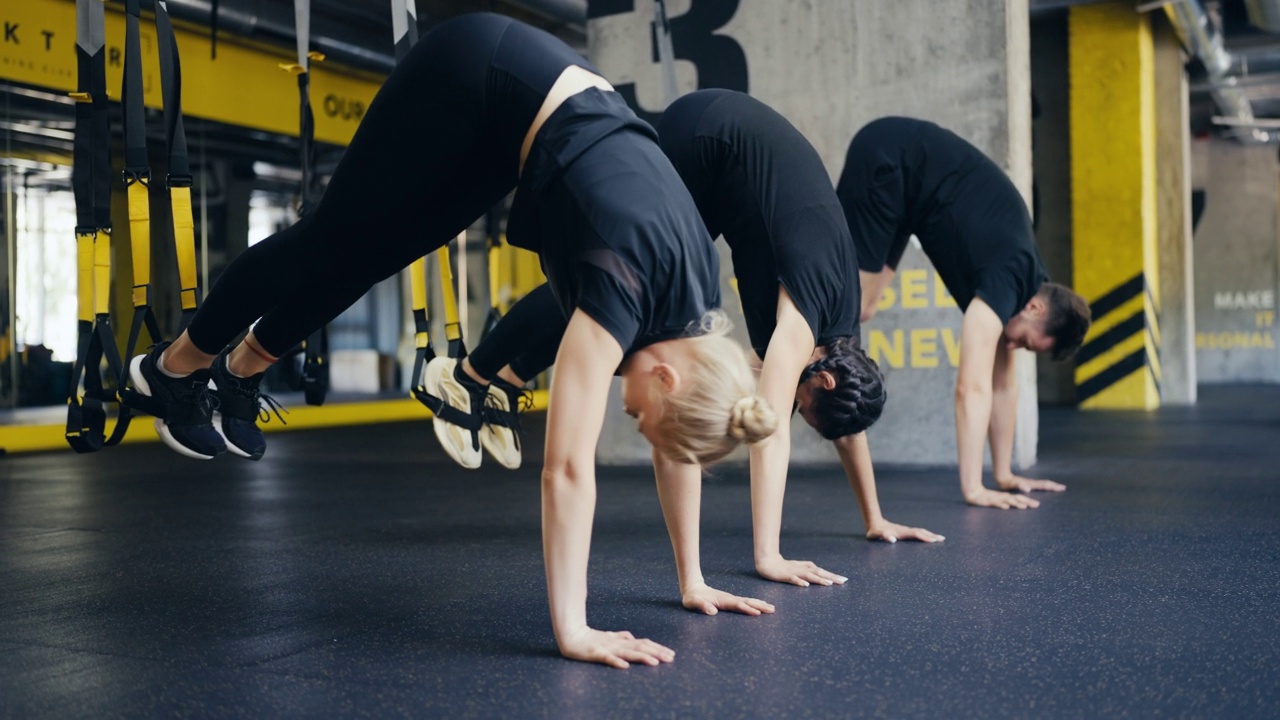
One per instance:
[(502, 440), (438, 380)]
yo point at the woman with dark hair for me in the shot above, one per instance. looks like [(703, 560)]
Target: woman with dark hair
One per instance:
[(761, 185), (482, 103)]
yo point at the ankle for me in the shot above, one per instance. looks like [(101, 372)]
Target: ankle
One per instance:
[(465, 374), (166, 371), (246, 361)]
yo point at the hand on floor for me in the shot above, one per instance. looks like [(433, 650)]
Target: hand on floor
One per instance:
[(706, 599), (1002, 500), (891, 532), (1026, 485), (797, 572), (617, 649)]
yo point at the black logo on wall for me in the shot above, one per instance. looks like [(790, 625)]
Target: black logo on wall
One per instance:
[(719, 59)]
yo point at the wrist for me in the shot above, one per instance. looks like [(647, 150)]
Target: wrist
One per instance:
[(691, 583), (565, 633), (763, 557)]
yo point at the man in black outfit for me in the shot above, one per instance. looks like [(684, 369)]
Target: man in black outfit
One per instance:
[(905, 177)]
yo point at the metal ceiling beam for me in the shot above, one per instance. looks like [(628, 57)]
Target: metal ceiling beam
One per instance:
[(275, 22)]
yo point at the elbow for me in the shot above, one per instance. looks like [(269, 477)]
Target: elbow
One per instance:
[(970, 391)]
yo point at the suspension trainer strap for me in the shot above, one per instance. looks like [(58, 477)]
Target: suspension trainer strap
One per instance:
[(423, 353), (137, 182), (213, 30), (315, 349), (179, 180), (404, 26), (666, 52), (452, 325), (91, 183), (404, 33)]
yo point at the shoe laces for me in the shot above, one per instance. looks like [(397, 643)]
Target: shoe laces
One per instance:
[(266, 401), (252, 390)]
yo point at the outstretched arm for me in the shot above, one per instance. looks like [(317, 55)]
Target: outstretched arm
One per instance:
[(785, 359), (855, 456), (1004, 413), (680, 492), (587, 358), (979, 338)]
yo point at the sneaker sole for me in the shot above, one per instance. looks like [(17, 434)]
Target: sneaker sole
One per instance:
[(496, 442), (447, 432), (162, 429), (499, 441)]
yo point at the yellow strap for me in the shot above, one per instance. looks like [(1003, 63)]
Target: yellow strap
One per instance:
[(84, 275), (140, 237), (446, 288), (418, 283), (101, 273), (184, 240), (495, 277), (418, 280)]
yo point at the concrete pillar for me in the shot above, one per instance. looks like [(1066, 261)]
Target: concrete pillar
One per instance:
[(1237, 262), (1114, 204), (1176, 314), (1051, 133), (831, 66)]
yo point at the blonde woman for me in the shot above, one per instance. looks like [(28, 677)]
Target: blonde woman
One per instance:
[(484, 102)]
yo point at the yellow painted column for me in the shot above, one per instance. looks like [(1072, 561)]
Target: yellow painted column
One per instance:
[(1113, 185)]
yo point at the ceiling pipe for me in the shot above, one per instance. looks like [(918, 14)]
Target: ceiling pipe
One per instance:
[(1265, 14), (1201, 39), (275, 23)]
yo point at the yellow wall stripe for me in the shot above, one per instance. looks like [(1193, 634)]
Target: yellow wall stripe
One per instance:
[(1086, 371), (1105, 323)]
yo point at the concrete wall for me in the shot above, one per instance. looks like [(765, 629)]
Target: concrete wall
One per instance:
[(831, 66), (1237, 262)]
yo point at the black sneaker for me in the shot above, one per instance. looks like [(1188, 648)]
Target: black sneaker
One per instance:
[(240, 405), (183, 407)]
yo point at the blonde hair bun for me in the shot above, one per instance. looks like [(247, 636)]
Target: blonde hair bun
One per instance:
[(752, 420)]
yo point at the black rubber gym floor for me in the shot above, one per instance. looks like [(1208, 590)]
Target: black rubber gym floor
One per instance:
[(358, 572)]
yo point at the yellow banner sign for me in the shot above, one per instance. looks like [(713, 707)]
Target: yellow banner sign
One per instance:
[(244, 86)]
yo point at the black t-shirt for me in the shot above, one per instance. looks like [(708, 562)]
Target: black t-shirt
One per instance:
[(904, 176), (618, 235), (758, 182)]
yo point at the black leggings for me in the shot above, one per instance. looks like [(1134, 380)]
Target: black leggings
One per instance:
[(439, 146), (526, 338)]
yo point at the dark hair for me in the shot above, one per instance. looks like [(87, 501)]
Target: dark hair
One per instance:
[(1066, 319), (858, 397)]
